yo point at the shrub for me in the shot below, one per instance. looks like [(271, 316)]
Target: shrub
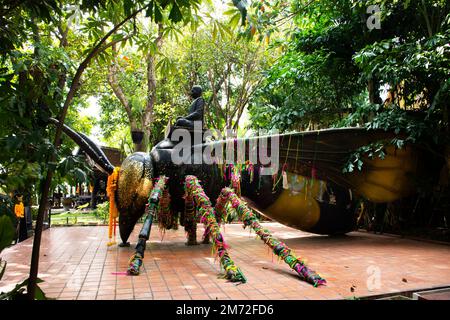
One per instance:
[(102, 211)]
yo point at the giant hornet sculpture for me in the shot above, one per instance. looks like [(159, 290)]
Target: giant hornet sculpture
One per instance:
[(310, 192)]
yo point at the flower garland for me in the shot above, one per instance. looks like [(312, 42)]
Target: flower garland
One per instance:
[(111, 188), (151, 209), (165, 216), (208, 217), (279, 248)]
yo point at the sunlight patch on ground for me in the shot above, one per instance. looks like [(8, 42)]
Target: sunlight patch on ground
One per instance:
[(201, 275)]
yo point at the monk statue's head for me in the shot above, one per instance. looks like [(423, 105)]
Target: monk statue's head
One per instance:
[(196, 91)]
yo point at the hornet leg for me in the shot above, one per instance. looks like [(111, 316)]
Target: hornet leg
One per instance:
[(206, 235), (144, 235), (195, 191), (190, 221), (279, 248)]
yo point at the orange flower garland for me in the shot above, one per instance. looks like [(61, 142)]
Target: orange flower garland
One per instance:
[(111, 189)]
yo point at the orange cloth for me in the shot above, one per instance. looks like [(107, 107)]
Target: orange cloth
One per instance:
[(19, 210)]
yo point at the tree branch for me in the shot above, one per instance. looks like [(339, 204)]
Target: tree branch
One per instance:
[(427, 20), (151, 80), (117, 89), (113, 43)]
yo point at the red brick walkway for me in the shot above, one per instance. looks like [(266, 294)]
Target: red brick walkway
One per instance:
[(77, 264)]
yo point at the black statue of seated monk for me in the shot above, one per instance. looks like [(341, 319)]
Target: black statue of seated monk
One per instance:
[(195, 111)]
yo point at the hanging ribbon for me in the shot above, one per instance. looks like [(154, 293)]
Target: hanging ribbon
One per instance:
[(236, 180), (275, 178), (249, 168), (111, 189)]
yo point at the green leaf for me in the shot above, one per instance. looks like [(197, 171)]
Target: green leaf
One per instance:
[(234, 21), (214, 32), (149, 11), (360, 164), (127, 6), (19, 291), (7, 232), (158, 14), (39, 294), (175, 13), (80, 175), (230, 12)]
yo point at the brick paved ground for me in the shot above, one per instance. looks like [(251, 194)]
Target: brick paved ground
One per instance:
[(77, 264)]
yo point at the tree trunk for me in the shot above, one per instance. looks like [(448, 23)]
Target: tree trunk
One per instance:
[(372, 87), (151, 90)]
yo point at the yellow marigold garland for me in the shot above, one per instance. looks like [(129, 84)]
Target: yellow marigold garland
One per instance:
[(111, 189)]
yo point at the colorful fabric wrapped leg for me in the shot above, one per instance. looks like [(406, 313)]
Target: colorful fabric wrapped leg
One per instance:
[(208, 217), (166, 219), (279, 248), (190, 220), (135, 262)]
